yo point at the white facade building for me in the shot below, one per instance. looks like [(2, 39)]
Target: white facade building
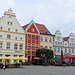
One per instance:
[(66, 44), (12, 36)]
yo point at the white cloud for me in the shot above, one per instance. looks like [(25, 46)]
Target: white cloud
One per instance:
[(55, 14)]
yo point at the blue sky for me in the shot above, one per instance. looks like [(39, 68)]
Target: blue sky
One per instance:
[(54, 14)]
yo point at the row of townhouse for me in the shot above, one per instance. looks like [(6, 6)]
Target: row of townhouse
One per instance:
[(17, 40), (66, 44)]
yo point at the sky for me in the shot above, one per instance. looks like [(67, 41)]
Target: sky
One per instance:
[(54, 14)]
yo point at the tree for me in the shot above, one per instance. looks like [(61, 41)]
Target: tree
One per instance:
[(48, 53)]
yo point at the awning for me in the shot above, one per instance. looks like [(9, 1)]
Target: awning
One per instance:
[(42, 56), (72, 56), (13, 58)]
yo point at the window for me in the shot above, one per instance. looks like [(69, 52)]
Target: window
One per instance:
[(58, 38), (32, 45), (70, 44), (72, 40), (8, 45), (36, 45), (36, 38), (41, 46), (0, 55), (55, 43), (21, 38), (15, 38), (47, 32), (28, 45), (32, 30), (41, 38), (15, 55), (55, 50), (11, 23), (72, 50), (69, 51), (59, 50), (32, 37), (46, 47), (65, 50), (0, 45), (9, 16), (32, 53), (8, 29), (50, 47), (50, 40), (46, 39), (15, 46), (20, 47), (8, 23), (28, 53), (0, 28), (8, 36), (41, 31), (29, 37), (16, 30), (0, 36)]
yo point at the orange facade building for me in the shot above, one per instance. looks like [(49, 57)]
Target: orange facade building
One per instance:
[(32, 40)]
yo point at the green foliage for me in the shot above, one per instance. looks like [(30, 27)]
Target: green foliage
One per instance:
[(48, 53)]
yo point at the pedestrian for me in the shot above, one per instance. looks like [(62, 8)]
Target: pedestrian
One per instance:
[(6, 64), (64, 63), (3, 65)]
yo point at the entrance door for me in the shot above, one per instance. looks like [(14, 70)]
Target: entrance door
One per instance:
[(32, 58), (28, 58)]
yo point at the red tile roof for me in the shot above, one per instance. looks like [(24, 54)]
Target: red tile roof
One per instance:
[(25, 26), (41, 27), (66, 38)]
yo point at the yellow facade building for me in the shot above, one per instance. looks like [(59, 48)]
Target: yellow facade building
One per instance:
[(46, 38)]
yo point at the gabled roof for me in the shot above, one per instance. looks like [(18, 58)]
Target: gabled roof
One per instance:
[(40, 27), (66, 38)]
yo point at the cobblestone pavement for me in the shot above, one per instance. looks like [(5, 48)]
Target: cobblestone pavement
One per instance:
[(39, 70)]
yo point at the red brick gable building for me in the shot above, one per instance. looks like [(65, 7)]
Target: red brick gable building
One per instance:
[(32, 40)]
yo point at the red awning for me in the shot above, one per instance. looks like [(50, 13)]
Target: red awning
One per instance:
[(72, 56), (42, 56)]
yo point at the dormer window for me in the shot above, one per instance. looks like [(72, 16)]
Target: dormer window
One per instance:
[(47, 32), (41, 31)]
